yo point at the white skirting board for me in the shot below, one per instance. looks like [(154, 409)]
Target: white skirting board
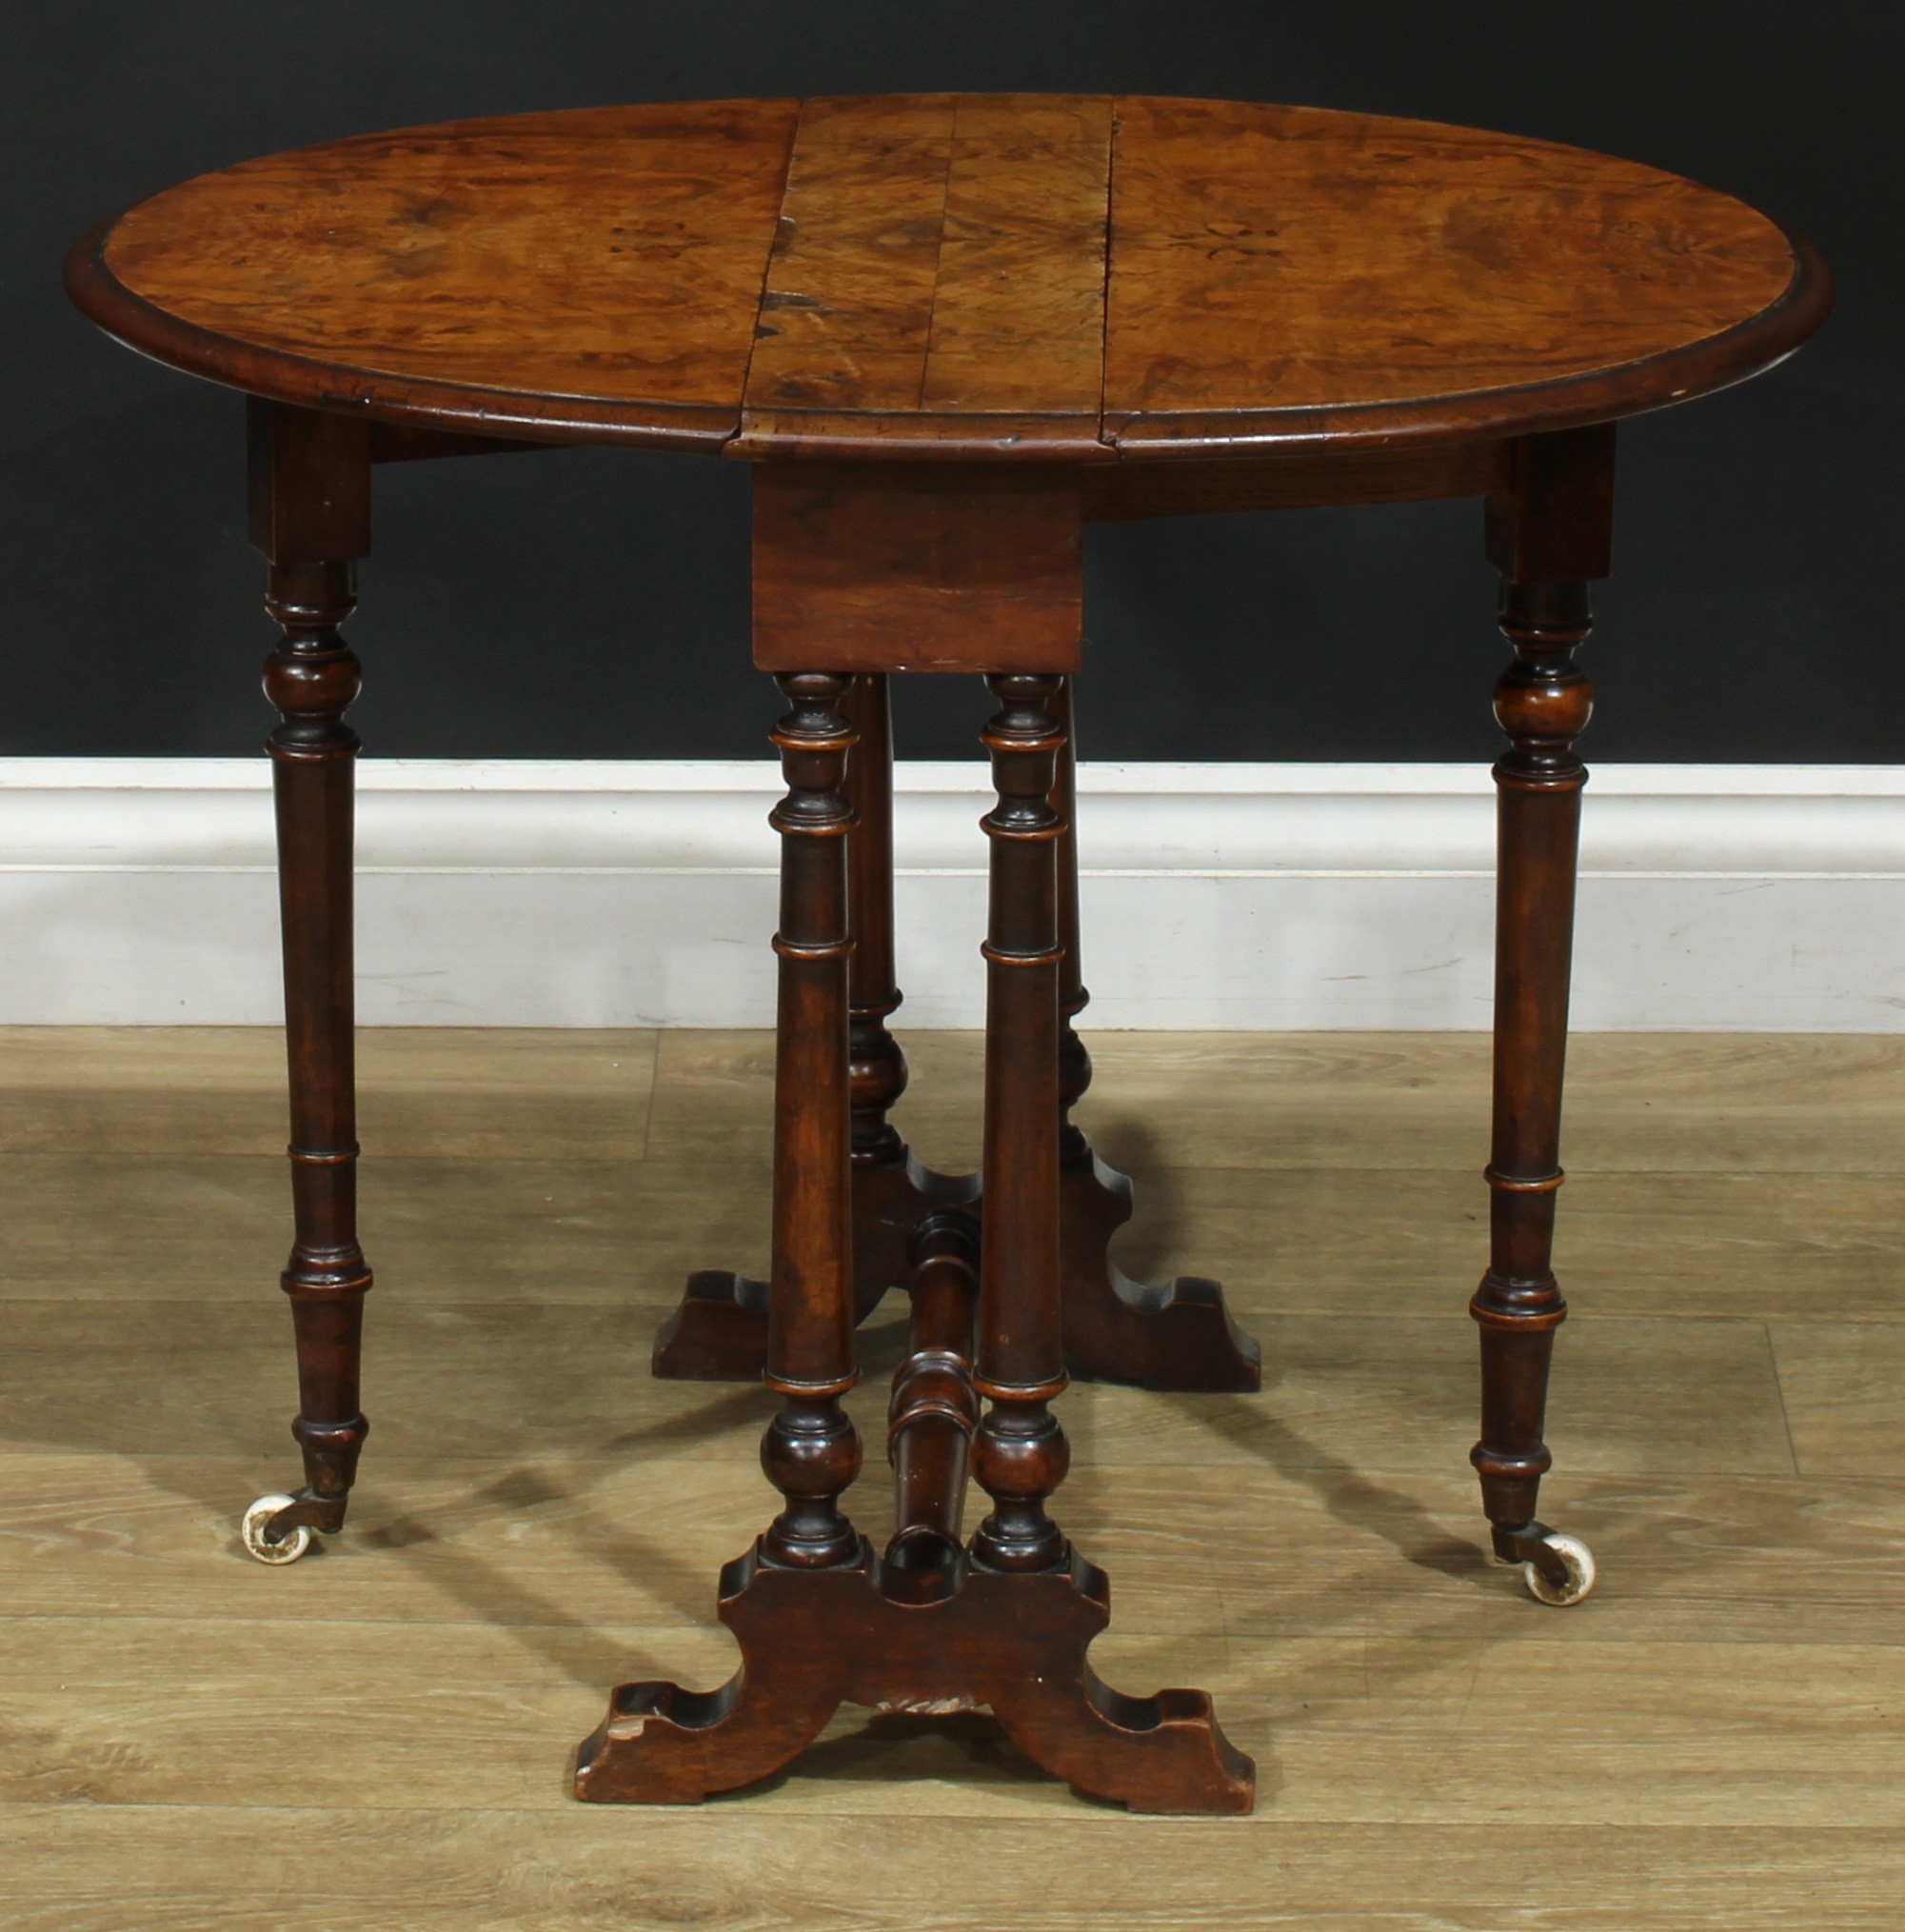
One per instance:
[(139, 891)]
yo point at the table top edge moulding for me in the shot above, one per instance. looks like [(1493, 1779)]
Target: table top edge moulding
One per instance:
[(1079, 279)]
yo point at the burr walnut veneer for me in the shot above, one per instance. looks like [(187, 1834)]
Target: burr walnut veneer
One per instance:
[(948, 330)]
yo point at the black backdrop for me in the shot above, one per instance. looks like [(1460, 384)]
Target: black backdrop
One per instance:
[(592, 604)]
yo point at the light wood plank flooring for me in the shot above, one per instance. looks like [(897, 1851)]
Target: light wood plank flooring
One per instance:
[(380, 1735)]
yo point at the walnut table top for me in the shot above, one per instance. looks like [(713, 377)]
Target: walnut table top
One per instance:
[(1069, 277)]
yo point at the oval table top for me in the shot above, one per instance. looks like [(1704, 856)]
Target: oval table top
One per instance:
[(1067, 277)]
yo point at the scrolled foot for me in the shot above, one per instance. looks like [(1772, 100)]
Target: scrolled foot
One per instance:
[(1558, 1569), (1175, 1336), (813, 1638), (719, 1333), (1162, 1754), (660, 1744), (257, 1529)]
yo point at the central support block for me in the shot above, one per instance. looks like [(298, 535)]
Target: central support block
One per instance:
[(917, 567), (812, 1639)]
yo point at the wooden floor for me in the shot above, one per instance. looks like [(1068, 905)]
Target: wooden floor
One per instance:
[(381, 1735)]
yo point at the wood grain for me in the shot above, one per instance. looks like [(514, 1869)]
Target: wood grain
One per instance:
[(465, 1229), (516, 1871), (1814, 1247), (1404, 1730), (931, 568), (1018, 310), (581, 1092), (596, 266), (632, 1541), (941, 259), (846, 313), (1359, 268), (1843, 1386), (1013, 277), (1635, 1397), (1712, 1741), (1820, 1105)]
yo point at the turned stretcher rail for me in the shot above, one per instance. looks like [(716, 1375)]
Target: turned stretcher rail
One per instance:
[(935, 1406)]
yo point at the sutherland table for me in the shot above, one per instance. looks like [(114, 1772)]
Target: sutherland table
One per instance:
[(948, 330)]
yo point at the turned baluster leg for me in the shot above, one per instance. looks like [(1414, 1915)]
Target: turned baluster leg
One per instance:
[(811, 1450), (719, 1331), (1543, 702), (1020, 1455), (311, 496)]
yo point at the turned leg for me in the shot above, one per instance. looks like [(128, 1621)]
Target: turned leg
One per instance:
[(719, 1333), (811, 1451), (310, 504), (1163, 1753), (1178, 1335), (1543, 702), (1020, 1455), (660, 1743)]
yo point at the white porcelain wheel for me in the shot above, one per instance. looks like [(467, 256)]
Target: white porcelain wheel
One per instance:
[(253, 1530), (1579, 1560)]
